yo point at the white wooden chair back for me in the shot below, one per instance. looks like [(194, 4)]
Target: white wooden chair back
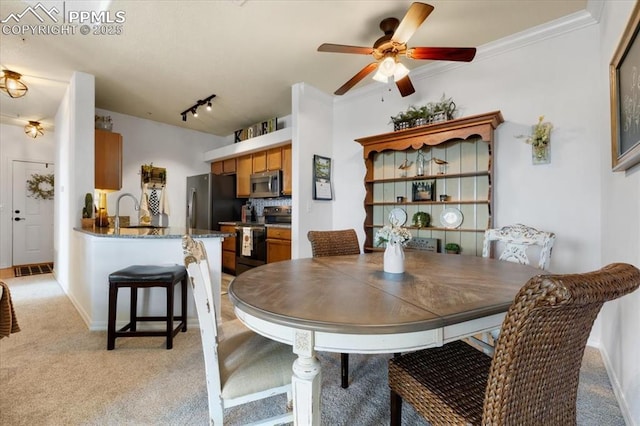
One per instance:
[(244, 348), (517, 239)]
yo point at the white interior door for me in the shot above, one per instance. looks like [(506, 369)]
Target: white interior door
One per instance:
[(32, 217)]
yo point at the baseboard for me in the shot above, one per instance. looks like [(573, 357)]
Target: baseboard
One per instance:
[(617, 389)]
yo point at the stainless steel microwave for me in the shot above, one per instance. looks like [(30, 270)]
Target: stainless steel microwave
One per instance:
[(266, 184)]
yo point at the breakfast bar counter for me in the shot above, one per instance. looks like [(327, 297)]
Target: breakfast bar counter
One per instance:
[(102, 251)]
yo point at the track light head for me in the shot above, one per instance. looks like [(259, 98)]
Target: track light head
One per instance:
[(194, 111), (184, 116), (209, 106)]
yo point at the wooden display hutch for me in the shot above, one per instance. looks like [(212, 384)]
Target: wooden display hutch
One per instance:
[(466, 144)]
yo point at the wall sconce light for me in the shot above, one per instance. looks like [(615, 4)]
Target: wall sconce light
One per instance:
[(11, 85), (34, 129), (194, 109)]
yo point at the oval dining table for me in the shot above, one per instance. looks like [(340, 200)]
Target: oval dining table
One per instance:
[(347, 304)]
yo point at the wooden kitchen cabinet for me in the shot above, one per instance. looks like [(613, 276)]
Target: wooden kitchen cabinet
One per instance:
[(224, 167), (243, 173), (270, 159), (229, 250), (108, 160), (278, 244), (286, 170)]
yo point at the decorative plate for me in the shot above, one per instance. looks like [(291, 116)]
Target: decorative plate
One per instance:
[(451, 217), (397, 217)]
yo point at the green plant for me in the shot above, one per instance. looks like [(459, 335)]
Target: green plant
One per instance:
[(87, 210), (421, 219), (452, 247)]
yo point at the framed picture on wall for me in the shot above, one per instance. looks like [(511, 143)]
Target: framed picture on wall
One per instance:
[(624, 76), (322, 178)]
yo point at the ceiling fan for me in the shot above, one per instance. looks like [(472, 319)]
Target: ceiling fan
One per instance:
[(387, 49)]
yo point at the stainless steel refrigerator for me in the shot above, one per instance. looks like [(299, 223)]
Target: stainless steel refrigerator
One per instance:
[(212, 199)]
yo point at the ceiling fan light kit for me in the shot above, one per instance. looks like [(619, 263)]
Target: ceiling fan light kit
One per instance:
[(11, 84), (34, 129), (194, 109), (387, 49)]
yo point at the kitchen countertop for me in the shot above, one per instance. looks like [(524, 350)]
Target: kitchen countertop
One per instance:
[(151, 232), (266, 225)]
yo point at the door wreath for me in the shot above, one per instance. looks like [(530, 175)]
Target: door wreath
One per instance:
[(41, 186)]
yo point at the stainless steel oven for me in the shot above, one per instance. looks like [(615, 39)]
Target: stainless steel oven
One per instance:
[(251, 247)]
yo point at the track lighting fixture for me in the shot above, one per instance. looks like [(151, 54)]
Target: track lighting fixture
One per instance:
[(34, 129), (11, 85), (194, 109)]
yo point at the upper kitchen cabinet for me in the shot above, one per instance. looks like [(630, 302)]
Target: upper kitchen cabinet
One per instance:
[(270, 159), (108, 160), (286, 170), (224, 167), (243, 173)]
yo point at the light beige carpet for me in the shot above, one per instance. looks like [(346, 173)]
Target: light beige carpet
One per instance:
[(56, 372)]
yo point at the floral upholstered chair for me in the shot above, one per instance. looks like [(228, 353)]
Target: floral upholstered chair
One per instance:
[(515, 241)]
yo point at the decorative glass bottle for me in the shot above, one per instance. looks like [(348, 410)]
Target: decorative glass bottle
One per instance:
[(102, 217), (420, 163)]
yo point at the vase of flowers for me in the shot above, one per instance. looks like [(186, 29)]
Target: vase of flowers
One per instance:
[(540, 141), (395, 238)]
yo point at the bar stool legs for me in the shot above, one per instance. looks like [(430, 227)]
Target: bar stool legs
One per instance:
[(147, 276)]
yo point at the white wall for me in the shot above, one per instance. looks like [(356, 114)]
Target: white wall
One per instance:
[(311, 135), (178, 150), (15, 145), (620, 203)]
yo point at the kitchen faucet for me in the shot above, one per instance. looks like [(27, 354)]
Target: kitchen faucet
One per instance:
[(117, 219)]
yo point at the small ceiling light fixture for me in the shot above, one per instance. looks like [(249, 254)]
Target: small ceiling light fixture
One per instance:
[(194, 109), (34, 129), (11, 85), (390, 67)]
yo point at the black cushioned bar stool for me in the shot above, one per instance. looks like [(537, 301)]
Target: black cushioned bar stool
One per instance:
[(145, 276)]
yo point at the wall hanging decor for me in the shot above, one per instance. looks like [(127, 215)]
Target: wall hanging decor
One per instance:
[(40, 186), (322, 178), (625, 97), (540, 141)]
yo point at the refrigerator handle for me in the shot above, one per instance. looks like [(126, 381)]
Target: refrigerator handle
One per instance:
[(191, 208)]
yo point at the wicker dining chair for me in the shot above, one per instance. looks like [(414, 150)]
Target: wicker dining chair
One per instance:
[(336, 243), (532, 378)]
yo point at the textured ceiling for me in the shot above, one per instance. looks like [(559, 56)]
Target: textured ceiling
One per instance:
[(170, 54)]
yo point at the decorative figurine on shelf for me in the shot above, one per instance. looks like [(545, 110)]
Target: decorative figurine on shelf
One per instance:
[(442, 164), (420, 163), (404, 166)]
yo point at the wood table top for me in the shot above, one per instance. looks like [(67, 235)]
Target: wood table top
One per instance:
[(352, 294)]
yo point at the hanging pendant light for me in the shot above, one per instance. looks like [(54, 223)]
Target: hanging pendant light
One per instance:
[(34, 129), (11, 85)]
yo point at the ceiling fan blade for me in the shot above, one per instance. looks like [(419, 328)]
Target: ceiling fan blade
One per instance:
[(463, 54), (405, 86), (415, 16), (343, 48), (356, 78)]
